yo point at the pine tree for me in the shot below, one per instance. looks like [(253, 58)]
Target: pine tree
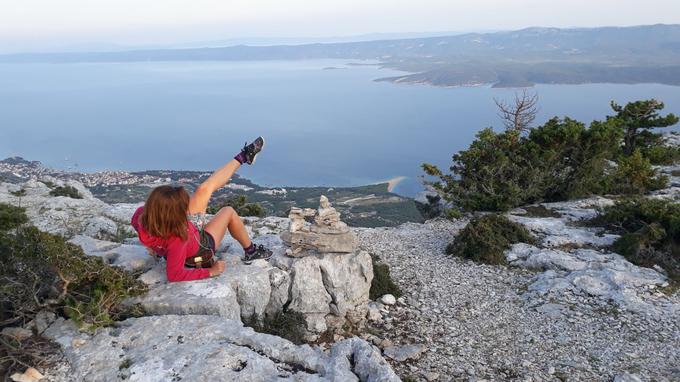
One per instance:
[(640, 115)]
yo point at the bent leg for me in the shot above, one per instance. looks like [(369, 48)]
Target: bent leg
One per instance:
[(228, 219)]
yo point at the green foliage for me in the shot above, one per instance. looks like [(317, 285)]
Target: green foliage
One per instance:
[(286, 324), (560, 160), (382, 282), (661, 155), (650, 232), (240, 204), (68, 191), (638, 118), (43, 271), (125, 364), (653, 147), (11, 216), (486, 238), (19, 193), (488, 175), (635, 175), (452, 213)]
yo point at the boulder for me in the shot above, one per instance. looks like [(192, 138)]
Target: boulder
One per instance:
[(347, 279), (308, 294)]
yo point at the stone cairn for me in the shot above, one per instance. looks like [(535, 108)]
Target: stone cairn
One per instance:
[(327, 234)]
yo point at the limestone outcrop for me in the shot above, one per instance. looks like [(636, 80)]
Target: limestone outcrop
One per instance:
[(63, 215), (327, 234), (328, 284), (204, 348)]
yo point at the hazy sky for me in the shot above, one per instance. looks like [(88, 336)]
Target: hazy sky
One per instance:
[(25, 24)]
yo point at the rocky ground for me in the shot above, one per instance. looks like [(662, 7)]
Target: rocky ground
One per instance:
[(569, 316), (566, 309)]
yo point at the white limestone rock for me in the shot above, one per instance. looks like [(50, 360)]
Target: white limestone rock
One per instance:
[(252, 287), (388, 299), (347, 279), (129, 257), (308, 294), (555, 232), (608, 276), (213, 296), (404, 352), (201, 348), (280, 291), (60, 214)]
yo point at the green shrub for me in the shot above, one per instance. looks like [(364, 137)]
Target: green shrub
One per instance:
[(560, 160), (486, 238), (661, 155), (638, 119), (635, 175), (43, 271), (650, 232), (19, 193), (382, 282), (432, 208), (653, 147), (11, 217), (286, 324), (68, 191), (238, 203)]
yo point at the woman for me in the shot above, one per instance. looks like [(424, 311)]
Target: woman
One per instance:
[(163, 227)]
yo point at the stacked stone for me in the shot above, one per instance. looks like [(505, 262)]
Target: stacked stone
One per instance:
[(328, 234)]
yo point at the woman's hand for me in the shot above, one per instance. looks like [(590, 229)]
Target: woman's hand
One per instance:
[(217, 268)]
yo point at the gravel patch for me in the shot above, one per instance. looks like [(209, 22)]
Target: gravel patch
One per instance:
[(478, 323)]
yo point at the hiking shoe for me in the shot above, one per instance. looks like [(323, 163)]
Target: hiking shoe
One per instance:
[(250, 151), (260, 253)]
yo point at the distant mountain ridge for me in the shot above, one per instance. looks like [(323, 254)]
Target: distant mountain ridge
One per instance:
[(516, 58)]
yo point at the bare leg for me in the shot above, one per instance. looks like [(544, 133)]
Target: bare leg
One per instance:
[(199, 200), (228, 219)]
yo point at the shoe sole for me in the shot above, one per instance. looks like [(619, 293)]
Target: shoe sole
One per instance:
[(248, 262), (255, 157)]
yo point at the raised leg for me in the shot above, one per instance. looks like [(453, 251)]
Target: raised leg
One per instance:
[(228, 219), (199, 200)]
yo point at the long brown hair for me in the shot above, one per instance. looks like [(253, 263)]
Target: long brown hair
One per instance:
[(165, 212)]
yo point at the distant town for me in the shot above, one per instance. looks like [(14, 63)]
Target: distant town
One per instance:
[(367, 206)]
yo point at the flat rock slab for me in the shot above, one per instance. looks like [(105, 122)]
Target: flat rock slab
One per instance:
[(206, 297), (608, 276), (405, 352), (127, 256), (555, 232), (202, 348)]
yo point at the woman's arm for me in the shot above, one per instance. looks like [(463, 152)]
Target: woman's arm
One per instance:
[(199, 200), (175, 270)]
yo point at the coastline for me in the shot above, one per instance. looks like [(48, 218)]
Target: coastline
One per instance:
[(392, 183)]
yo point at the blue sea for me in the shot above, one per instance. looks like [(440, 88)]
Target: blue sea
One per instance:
[(331, 127)]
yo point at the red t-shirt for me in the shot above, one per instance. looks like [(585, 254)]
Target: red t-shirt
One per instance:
[(174, 249)]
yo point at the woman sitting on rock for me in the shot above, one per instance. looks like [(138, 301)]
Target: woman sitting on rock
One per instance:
[(163, 226)]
